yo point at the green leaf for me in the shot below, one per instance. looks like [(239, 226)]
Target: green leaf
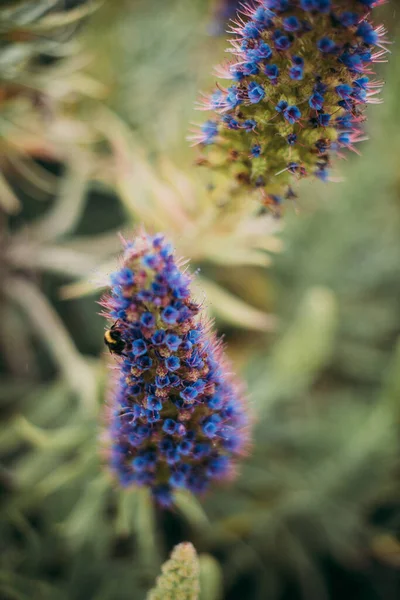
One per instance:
[(231, 309), (211, 585), (303, 349)]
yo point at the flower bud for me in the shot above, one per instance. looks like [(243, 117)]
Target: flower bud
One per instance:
[(180, 576)]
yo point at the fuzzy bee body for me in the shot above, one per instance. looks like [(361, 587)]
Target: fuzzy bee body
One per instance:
[(114, 341)]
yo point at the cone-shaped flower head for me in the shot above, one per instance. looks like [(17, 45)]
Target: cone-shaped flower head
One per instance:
[(180, 576), (299, 84), (176, 416)]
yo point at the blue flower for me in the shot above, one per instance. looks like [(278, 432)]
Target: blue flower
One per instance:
[(190, 393), (177, 480), (159, 290), (158, 337), (172, 363), (264, 51), (232, 99), (326, 45), (170, 315), (291, 24), (154, 403), (148, 320), (135, 390), (237, 74), (123, 277), (296, 73), (250, 68), (281, 106), (173, 341), (282, 42), (162, 382), (262, 16), (139, 464), (362, 82), (345, 139), (367, 32), (216, 100), (231, 122), (144, 363), (324, 119), (298, 61), (272, 72), (169, 426), (250, 30), (185, 447), (292, 114), (150, 261), (249, 125), (210, 429), (209, 131), (353, 62), (344, 91), (152, 416), (139, 347), (255, 92), (218, 466), (162, 495), (316, 101), (348, 19)]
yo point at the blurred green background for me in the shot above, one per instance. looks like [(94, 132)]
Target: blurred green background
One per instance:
[(96, 100)]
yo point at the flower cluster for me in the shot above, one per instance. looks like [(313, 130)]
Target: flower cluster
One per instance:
[(300, 81), (180, 576), (176, 416)]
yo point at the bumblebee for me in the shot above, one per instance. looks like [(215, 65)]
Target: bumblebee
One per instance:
[(113, 340)]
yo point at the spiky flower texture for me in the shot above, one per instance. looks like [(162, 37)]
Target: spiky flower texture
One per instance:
[(180, 576), (176, 419), (301, 80)]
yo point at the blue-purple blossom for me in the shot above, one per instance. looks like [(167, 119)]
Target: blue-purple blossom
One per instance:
[(326, 45), (291, 23), (255, 92), (256, 150), (207, 134), (311, 62), (176, 417), (316, 101), (296, 73), (272, 72), (292, 114)]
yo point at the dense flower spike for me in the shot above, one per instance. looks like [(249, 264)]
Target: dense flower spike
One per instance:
[(180, 578), (176, 420), (300, 81)]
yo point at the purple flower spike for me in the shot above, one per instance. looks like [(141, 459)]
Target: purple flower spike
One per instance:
[(176, 417), (294, 64)]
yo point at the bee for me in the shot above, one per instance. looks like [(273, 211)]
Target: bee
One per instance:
[(113, 340)]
